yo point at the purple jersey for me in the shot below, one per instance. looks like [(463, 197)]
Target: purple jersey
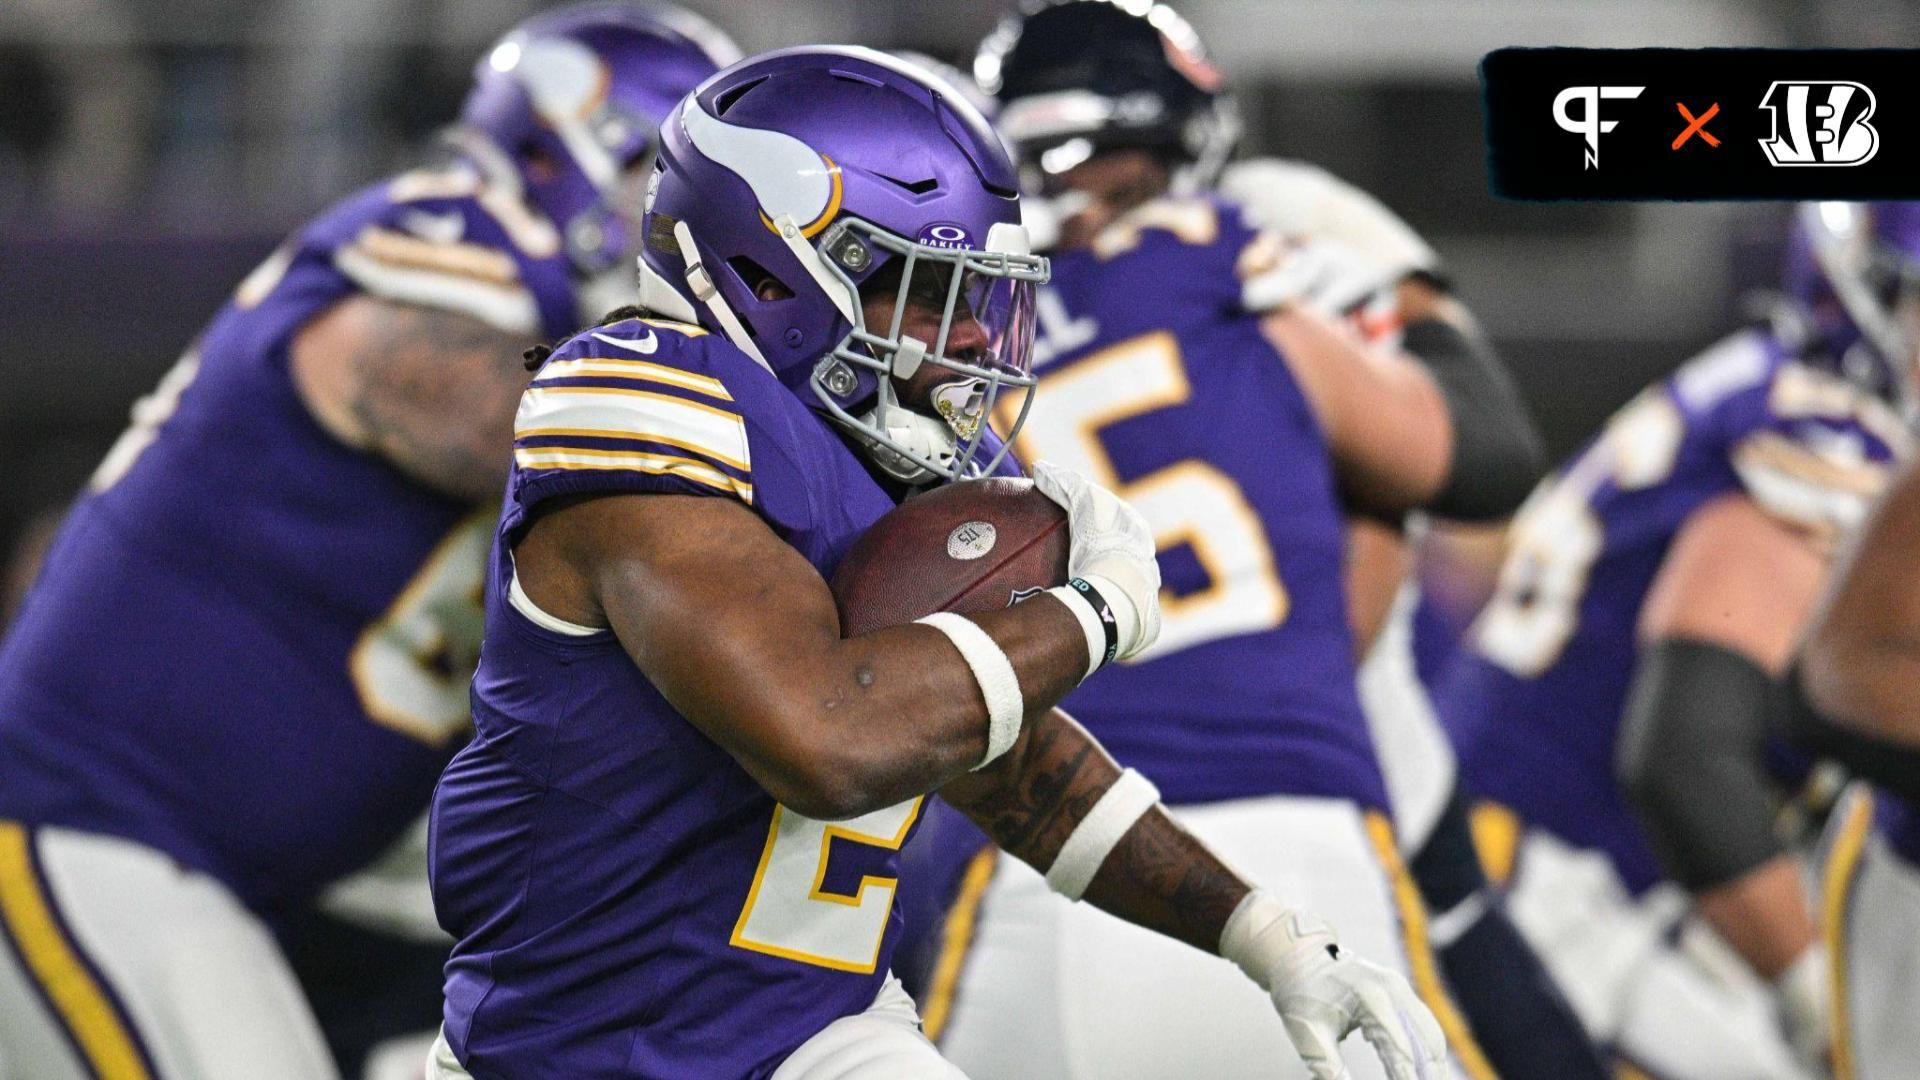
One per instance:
[(1899, 821), (1158, 382), (249, 647), (627, 900), (1535, 700)]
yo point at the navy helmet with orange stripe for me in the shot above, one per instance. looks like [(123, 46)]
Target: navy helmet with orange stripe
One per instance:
[(1075, 77)]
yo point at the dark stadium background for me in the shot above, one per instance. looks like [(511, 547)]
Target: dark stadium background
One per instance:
[(152, 150)]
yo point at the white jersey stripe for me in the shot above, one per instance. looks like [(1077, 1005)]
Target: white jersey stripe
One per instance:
[(635, 461), (637, 414)]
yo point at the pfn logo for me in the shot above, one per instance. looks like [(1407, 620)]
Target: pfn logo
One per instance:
[(1589, 124), (1825, 124)]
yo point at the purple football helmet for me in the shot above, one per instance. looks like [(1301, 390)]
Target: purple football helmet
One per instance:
[(571, 99), (1853, 270), (786, 182)]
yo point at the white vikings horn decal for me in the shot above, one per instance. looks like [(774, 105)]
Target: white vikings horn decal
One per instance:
[(787, 176)]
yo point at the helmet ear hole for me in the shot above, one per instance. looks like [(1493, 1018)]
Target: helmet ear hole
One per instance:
[(759, 280)]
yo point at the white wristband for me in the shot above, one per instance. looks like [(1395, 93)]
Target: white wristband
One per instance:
[(994, 672), (1082, 609), (1088, 846)]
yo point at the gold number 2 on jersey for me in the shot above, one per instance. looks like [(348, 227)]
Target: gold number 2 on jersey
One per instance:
[(788, 915)]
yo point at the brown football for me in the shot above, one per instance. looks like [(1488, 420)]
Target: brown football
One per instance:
[(976, 545)]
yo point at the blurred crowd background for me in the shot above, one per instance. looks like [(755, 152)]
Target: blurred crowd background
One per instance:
[(151, 151)]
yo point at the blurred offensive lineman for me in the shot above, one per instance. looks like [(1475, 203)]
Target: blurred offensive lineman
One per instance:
[(1628, 661), (669, 849), (1852, 694), (246, 659), (1179, 368)]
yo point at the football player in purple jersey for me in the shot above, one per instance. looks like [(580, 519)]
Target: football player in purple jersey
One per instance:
[(1851, 694), (247, 656), (670, 849), (1615, 694), (1184, 362)]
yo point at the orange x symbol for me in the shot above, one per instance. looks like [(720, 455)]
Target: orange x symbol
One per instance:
[(1697, 125)]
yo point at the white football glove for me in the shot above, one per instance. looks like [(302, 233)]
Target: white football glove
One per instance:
[(1298, 199), (1111, 547), (1806, 1009), (1324, 993), (1326, 276)]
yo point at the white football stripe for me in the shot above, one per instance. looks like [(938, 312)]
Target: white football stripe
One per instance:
[(505, 307), (636, 414)]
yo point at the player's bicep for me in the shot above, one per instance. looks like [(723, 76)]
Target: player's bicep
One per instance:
[(728, 622), (432, 392), (1737, 577), (1385, 421)]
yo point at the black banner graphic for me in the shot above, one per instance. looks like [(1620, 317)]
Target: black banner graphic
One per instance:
[(1703, 123)]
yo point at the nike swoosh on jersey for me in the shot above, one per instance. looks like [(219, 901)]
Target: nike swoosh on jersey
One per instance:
[(444, 228), (642, 345)]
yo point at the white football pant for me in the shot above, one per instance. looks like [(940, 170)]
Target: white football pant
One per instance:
[(117, 962), (1042, 986), (1870, 914), (1415, 756), (1680, 1005), (882, 1043)]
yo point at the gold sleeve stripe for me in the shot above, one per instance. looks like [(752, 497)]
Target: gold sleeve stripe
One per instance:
[(956, 940), (611, 412), (639, 370), (460, 260), (633, 461), (1772, 450), (83, 1007), (1420, 960), (1842, 871)]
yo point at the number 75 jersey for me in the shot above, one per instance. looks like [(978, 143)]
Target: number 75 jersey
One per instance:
[(1157, 381), (1534, 702)]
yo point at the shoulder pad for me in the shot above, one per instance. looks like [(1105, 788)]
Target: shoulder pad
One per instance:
[(1821, 451), (436, 242)]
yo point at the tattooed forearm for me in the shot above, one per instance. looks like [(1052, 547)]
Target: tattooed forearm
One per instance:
[(1053, 779), (1159, 876), (1163, 878)]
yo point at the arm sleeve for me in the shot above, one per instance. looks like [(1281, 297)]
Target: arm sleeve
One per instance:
[(1692, 757), (1497, 453)]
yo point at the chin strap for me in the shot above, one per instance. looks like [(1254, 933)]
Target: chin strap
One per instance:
[(701, 284), (926, 436)]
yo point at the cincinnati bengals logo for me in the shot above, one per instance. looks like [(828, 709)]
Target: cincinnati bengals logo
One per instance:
[(1819, 123)]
